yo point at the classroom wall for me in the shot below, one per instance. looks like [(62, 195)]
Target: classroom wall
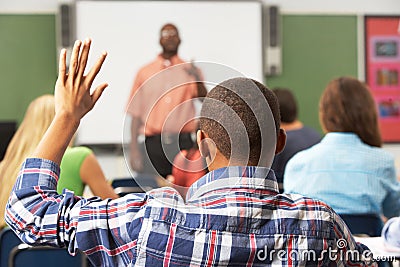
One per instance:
[(287, 6), (23, 19)]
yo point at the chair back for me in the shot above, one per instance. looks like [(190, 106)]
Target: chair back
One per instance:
[(138, 184), (8, 240), (25, 255), (368, 224)]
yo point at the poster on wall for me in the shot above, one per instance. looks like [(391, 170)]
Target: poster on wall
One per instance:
[(382, 66)]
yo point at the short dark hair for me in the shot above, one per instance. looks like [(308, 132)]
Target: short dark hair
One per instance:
[(240, 102), (287, 104), (347, 105)]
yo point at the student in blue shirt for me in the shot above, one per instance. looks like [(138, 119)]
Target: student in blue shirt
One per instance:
[(348, 169)]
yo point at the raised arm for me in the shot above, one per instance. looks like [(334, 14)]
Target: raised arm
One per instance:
[(38, 215)]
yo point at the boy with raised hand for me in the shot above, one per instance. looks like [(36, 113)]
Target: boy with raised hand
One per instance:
[(232, 216)]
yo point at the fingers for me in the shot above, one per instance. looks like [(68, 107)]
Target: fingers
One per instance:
[(83, 60), (170, 178), (98, 92), (75, 76), (62, 64), (73, 65), (95, 69)]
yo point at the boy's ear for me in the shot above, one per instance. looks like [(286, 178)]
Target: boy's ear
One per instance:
[(202, 144), (281, 141)]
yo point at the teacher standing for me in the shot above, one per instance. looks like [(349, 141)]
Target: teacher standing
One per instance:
[(162, 108)]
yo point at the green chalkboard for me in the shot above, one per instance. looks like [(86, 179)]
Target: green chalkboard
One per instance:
[(27, 61), (315, 49)]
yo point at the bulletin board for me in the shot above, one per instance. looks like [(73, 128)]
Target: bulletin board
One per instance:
[(382, 65)]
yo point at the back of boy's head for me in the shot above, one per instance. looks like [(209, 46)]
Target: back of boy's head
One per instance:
[(242, 117)]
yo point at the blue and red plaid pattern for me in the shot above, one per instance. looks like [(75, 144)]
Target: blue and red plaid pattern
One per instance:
[(232, 217)]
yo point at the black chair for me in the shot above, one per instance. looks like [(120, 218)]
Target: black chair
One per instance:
[(7, 130), (138, 184), (25, 255), (8, 240), (363, 224)]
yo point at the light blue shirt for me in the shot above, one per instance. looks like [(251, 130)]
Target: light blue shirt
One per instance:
[(349, 175)]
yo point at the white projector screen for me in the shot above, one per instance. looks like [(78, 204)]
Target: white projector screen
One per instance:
[(226, 33)]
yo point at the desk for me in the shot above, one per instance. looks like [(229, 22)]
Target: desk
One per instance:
[(380, 250)]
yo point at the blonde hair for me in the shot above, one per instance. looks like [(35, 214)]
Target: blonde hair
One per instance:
[(37, 119)]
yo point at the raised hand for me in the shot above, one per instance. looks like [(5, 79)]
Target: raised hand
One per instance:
[(73, 100), (72, 90)]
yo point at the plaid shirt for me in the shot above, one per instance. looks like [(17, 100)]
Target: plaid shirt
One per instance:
[(232, 217)]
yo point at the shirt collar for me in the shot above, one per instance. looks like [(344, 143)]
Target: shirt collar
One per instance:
[(246, 177), (169, 62), (341, 137)]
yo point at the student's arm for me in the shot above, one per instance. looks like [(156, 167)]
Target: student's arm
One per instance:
[(93, 176), (36, 213), (391, 203)]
